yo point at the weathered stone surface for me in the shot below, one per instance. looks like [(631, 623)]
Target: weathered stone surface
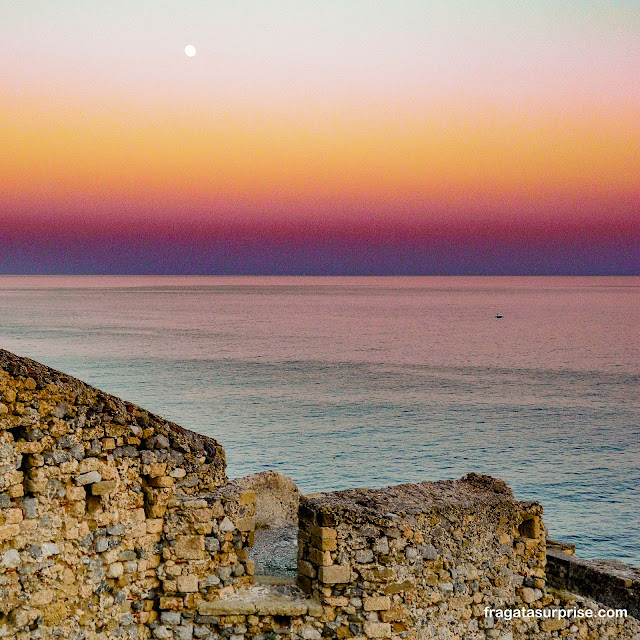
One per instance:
[(553, 624), (281, 607), (528, 595), (116, 523), (188, 583), (226, 608), (377, 603), (172, 618), (310, 633), (377, 629), (10, 559), (88, 478), (306, 569), (335, 574), (613, 583), (277, 498), (227, 525), (364, 556), (189, 547), (105, 487), (324, 533)]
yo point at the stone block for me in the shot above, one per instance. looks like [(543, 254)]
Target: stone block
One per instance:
[(212, 544), (246, 524), (527, 594), (306, 569), (247, 496), (395, 614), (377, 629), (171, 603), (379, 574), (30, 507), (154, 511), (10, 559), (49, 549), (364, 556), (335, 574), (399, 587), (115, 570), (16, 491), (13, 516), (553, 624), (101, 545), (88, 478), (161, 482), (183, 632), (226, 608), (157, 469), (42, 597), (76, 493), (324, 533), (377, 603), (324, 544), (310, 633), (9, 531), (273, 606), (154, 525), (304, 582), (188, 584), (322, 558), (303, 537), (172, 618), (336, 601), (103, 488), (189, 547), (227, 525), (35, 485)]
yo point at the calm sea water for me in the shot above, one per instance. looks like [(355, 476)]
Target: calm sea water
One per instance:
[(342, 382)]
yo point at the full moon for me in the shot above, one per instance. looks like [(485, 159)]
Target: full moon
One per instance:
[(190, 51)]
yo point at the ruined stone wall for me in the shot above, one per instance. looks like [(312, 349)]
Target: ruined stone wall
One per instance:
[(205, 557), (427, 560), (613, 583), (88, 491), (115, 523), (397, 559)]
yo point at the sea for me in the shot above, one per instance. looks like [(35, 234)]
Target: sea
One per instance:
[(366, 382)]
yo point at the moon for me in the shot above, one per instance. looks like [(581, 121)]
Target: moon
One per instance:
[(190, 51)]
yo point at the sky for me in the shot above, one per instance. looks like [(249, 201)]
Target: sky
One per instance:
[(333, 137)]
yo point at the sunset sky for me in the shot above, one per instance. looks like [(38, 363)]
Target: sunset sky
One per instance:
[(351, 136)]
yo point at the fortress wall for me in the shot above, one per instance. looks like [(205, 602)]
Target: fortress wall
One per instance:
[(86, 485), (115, 523), (390, 560), (205, 555), (612, 583)]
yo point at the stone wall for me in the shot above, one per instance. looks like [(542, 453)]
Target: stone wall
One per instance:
[(94, 495), (115, 523), (613, 583), (394, 560), (277, 498)]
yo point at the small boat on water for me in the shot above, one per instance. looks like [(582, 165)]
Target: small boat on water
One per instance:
[(499, 316)]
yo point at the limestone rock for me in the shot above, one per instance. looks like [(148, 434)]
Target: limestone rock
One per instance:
[(276, 497)]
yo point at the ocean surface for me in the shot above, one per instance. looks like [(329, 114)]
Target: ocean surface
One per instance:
[(343, 382)]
